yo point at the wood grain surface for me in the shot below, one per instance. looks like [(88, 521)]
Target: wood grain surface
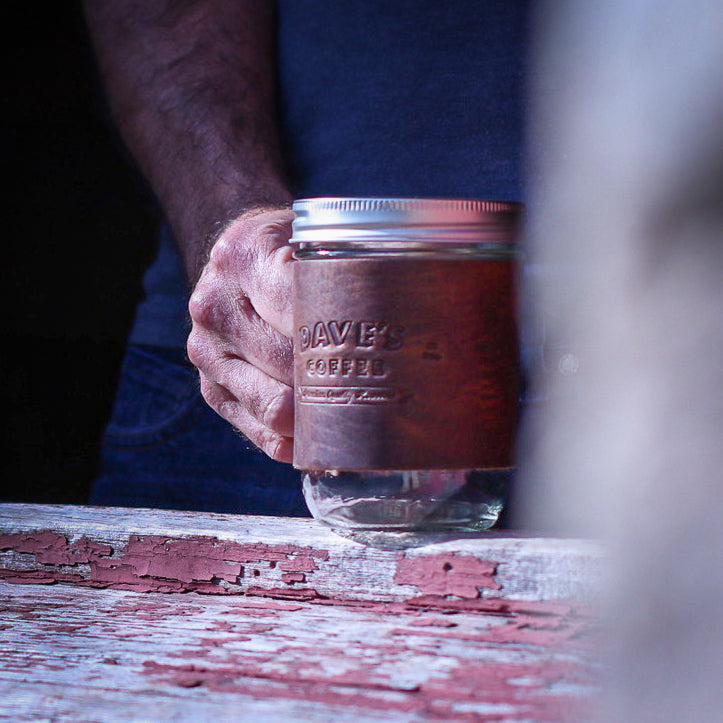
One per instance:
[(275, 620)]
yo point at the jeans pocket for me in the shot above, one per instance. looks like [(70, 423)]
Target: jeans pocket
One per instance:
[(158, 398)]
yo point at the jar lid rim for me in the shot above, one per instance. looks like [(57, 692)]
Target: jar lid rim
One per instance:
[(466, 209), (446, 219)]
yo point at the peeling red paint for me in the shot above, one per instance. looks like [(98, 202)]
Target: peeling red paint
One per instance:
[(39, 577), (521, 691), (433, 623), (198, 560), (157, 607), (495, 685), (500, 605), (305, 593), (509, 691), (191, 561), (545, 624), (392, 608), (152, 563), (299, 563), (50, 548), (446, 574), (432, 646), (305, 686), (517, 631), (545, 632), (266, 605), (62, 628)]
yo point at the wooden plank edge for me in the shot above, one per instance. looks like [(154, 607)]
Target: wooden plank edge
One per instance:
[(169, 551)]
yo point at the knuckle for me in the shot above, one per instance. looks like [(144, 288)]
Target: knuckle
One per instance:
[(200, 304), (228, 409), (271, 443), (220, 249), (235, 250), (209, 309), (236, 411), (277, 410), (224, 252), (221, 400), (195, 350)]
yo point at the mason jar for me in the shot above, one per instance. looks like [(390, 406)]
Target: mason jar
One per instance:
[(406, 361)]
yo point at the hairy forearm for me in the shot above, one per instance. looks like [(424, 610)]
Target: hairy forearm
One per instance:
[(191, 86)]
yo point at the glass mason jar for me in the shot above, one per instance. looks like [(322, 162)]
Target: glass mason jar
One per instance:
[(406, 361)]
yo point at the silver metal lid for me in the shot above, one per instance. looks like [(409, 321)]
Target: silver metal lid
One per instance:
[(339, 220)]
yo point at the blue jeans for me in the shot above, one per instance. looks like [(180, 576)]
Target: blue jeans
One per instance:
[(165, 448)]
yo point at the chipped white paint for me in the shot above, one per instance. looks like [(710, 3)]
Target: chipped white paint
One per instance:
[(527, 568), (295, 623)]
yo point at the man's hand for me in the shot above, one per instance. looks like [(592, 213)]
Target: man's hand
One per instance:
[(241, 309)]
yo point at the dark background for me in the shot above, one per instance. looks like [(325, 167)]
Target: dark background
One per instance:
[(79, 228)]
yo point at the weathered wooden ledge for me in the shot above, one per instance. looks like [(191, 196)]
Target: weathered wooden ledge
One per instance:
[(286, 621), (154, 550)]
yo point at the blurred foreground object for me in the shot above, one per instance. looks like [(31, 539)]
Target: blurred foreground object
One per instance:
[(628, 199)]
